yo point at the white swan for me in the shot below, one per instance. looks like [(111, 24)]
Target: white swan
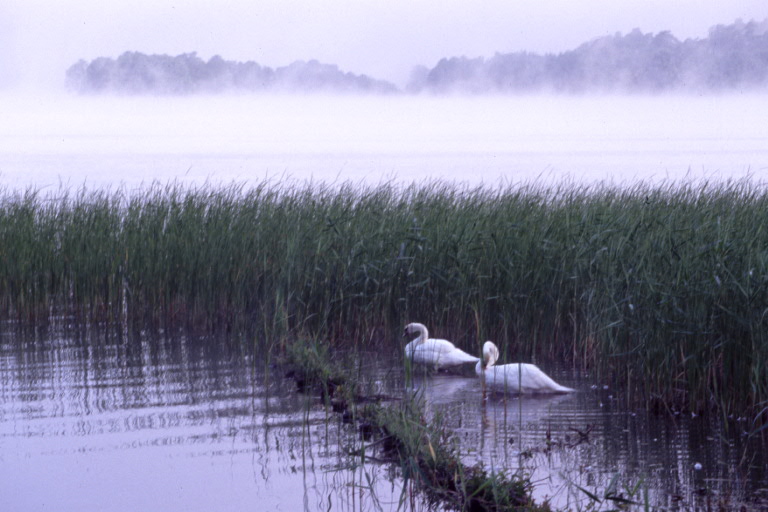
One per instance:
[(438, 353), (516, 377)]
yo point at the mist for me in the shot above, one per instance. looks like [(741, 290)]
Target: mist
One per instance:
[(132, 142), (127, 119), (40, 39)]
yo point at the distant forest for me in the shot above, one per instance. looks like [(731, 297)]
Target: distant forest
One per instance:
[(731, 57), (138, 73)]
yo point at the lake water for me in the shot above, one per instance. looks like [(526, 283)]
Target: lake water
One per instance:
[(108, 141), (100, 421), (106, 421)]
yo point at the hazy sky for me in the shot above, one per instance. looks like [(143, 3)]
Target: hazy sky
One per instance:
[(382, 38)]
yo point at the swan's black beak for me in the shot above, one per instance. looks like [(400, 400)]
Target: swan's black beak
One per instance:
[(405, 332)]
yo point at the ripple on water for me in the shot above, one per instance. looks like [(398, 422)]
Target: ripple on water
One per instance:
[(198, 424)]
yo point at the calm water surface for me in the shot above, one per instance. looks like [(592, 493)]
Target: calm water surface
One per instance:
[(102, 421), (103, 142)]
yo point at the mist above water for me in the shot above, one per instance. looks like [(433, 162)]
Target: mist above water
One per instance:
[(113, 141)]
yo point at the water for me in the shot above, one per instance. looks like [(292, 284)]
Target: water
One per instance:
[(96, 423), (108, 142), (98, 420), (570, 444)]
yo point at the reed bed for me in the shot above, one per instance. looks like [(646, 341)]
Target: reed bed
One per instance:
[(665, 289)]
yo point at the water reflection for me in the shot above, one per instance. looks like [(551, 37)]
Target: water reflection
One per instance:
[(96, 420), (588, 442)]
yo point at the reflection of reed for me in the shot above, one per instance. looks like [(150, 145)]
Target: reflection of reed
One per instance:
[(100, 384), (203, 406), (200, 404), (588, 440), (507, 419)]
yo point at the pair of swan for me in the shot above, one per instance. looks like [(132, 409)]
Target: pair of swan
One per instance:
[(510, 378)]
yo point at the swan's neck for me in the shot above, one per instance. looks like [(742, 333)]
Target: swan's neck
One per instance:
[(490, 354), (483, 364), (423, 333)]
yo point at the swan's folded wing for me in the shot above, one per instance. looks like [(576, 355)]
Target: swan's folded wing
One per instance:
[(536, 381), (504, 378), (438, 346), (461, 357), (441, 353)]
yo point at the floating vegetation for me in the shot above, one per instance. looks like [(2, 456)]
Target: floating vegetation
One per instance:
[(424, 451), (426, 454), (663, 290)]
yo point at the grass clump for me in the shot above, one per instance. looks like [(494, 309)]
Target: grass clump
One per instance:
[(310, 366), (426, 454)]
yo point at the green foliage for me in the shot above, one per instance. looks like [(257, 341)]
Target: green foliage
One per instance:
[(665, 288)]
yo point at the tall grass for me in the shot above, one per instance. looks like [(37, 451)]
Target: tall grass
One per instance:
[(665, 288)]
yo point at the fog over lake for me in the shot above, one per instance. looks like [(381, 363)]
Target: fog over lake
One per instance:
[(150, 347), (111, 141)]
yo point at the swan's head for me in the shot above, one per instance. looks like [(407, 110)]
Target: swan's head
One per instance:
[(490, 354), (414, 328)]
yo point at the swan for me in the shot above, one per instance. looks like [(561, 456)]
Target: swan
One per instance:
[(438, 353), (516, 377)]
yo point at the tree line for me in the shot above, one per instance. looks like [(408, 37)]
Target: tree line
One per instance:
[(138, 73), (731, 57)]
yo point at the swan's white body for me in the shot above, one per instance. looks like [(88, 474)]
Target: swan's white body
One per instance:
[(440, 354), (516, 377)]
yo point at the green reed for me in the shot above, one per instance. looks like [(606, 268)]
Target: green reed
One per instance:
[(664, 288)]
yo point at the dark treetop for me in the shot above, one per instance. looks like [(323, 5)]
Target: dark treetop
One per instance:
[(137, 73), (732, 57)]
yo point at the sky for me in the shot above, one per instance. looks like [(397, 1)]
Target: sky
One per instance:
[(385, 39)]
